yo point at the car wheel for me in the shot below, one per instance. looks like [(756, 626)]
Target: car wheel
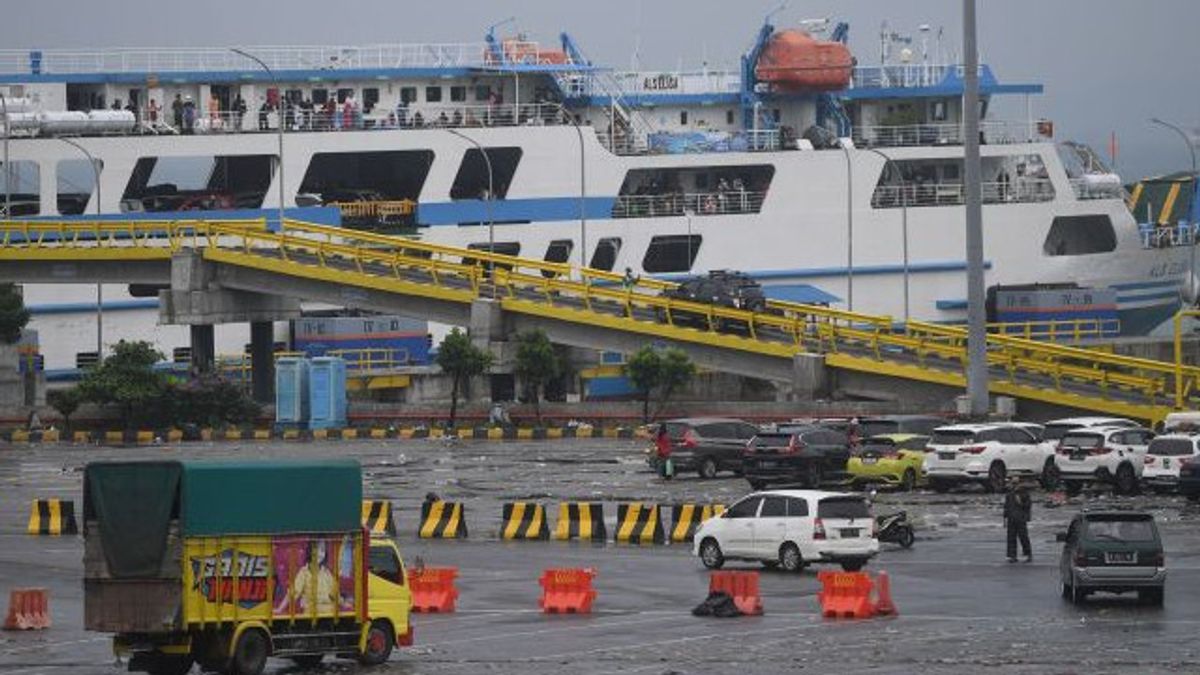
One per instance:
[(1067, 591), (710, 554), (708, 468), (380, 641), (790, 559), (757, 484), (906, 537), (908, 481), (1125, 482), (812, 475), (1151, 596), (996, 476), (853, 565), (1050, 475)]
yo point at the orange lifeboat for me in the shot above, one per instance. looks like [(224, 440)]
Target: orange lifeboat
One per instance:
[(794, 61), (518, 50)]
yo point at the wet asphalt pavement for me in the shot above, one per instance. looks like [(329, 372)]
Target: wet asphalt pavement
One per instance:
[(962, 607)]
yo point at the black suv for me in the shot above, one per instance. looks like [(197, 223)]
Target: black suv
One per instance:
[(805, 455), (707, 445), (720, 287), (1113, 551)]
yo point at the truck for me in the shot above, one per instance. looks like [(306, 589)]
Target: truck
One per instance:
[(226, 563)]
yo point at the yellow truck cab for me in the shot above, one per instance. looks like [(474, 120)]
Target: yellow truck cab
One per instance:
[(225, 564)]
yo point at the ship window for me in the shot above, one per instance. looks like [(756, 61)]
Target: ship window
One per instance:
[(512, 248), (1080, 235), (483, 92), (472, 179), (26, 182), (728, 117), (320, 96), (683, 118), (343, 94), (605, 256), (1021, 178), (408, 94), (198, 183), (433, 94), (458, 94), (370, 98), (694, 190), (391, 175), (76, 183), (671, 253), (559, 251)]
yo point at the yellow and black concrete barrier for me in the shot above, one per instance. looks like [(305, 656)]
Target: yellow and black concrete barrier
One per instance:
[(686, 518), (377, 516), (524, 521), (52, 517), (580, 520), (639, 523), (443, 520)]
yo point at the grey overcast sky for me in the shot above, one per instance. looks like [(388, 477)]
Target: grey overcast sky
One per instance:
[(1107, 65)]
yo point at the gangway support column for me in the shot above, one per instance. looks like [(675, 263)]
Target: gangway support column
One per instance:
[(203, 348), (262, 360)]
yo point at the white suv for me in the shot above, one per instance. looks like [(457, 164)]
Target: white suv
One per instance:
[(1113, 455), (790, 529), (1165, 456), (1056, 429), (986, 454)]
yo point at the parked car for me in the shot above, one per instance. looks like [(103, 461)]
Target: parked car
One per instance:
[(986, 454), (1109, 455), (804, 455), (790, 529), (1056, 429), (892, 459), (1164, 458), (708, 445), (1114, 552)]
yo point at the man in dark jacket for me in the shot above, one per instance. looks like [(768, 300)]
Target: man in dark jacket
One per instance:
[(1018, 509)]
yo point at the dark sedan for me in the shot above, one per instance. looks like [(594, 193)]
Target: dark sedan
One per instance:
[(805, 455)]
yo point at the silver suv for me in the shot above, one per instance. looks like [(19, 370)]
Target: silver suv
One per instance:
[(987, 454)]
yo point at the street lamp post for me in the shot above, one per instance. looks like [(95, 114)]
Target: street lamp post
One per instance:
[(491, 223), (280, 126), (977, 368), (888, 161), (582, 186), (99, 287), (1191, 228), (849, 229), (7, 168), (687, 212)]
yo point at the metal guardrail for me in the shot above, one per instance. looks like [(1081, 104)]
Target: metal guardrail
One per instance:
[(997, 132), (1043, 371), (1019, 191), (1074, 331), (696, 204)]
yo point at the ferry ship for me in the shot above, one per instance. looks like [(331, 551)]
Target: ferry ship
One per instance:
[(828, 180)]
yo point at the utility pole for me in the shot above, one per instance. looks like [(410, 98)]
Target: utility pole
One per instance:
[(977, 372)]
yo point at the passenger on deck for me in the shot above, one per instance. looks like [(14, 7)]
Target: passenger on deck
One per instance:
[(418, 120), (239, 111), (442, 120), (214, 111), (189, 115), (457, 119), (263, 111), (152, 111), (177, 111)]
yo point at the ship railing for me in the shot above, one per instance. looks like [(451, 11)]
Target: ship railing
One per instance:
[(902, 75), (943, 133), (1168, 235), (279, 58), (1088, 189), (688, 204), (1072, 331), (1018, 191)]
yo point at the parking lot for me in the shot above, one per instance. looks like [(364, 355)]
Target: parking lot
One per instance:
[(961, 605)]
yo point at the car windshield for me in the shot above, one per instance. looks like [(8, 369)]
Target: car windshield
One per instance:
[(843, 507), (952, 437), (771, 440), (877, 446), (1054, 432), (1121, 529), (876, 427), (1077, 440), (1170, 447)]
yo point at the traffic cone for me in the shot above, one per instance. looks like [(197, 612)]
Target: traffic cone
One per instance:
[(885, 606)]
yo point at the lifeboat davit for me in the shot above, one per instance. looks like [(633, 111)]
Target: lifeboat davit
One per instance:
[(794, 61)]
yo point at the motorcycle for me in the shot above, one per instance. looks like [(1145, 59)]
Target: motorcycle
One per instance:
[(894, 528)]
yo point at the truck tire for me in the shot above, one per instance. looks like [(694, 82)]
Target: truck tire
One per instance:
[(380, 641), (250, 654)]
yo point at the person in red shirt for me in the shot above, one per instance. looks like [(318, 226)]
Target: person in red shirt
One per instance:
[(662, 446)]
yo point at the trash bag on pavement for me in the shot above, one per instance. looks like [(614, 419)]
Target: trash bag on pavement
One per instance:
[(718, 604)]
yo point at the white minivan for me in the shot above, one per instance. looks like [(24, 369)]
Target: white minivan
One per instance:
[(790, 529)]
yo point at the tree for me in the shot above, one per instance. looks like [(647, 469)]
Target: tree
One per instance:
[(665, 372), (66, 402), (127, 380), (461, 360), (537, 365), (13, 314)]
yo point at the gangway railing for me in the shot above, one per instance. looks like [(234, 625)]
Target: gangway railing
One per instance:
[(1043, 371)]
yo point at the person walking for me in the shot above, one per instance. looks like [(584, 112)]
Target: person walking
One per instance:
[(1018, 510), (662, 449)]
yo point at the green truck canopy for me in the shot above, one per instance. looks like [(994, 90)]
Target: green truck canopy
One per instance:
[(134, 502)]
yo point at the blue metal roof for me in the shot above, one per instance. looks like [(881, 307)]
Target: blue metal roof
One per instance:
[(802, 293)]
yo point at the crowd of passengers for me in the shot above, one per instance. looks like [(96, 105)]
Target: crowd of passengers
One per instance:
[(732, 193)]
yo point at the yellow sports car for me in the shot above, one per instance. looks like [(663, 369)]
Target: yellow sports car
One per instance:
[(892, 459)]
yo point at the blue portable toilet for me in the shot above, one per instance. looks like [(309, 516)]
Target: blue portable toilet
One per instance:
[(327, 389), (291, 391)]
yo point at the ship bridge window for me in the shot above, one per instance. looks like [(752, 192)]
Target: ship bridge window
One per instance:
[(76, 180), (408, 94), (671, 253), (1007, 179), (458, 94), (198, 183), (392, 175), (605, 256), (1080, 235), (472, 179), (433, 94), (25, 195), (693, 191)]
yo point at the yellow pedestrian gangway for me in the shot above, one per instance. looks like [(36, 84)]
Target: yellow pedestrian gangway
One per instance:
[(1029, 369)]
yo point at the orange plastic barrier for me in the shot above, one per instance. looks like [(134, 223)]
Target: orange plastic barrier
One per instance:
[(742, 586), (845, 595), (433, 589), (883, 586), (28, 609), (567, 591)]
